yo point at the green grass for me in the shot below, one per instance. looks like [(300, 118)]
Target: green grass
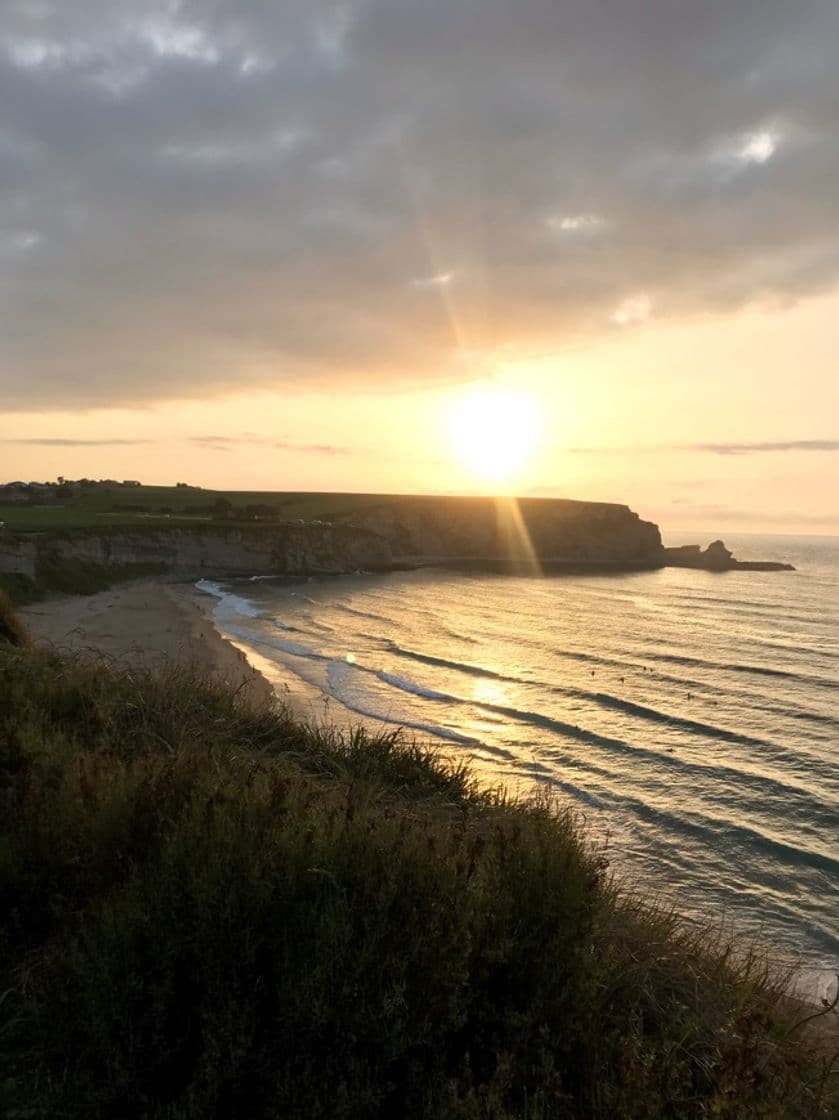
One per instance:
[(94, 508), (211, 911)]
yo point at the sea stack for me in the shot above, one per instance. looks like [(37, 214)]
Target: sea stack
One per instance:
[(717, 558)]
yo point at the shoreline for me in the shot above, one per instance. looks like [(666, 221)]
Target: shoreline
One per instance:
[(147, 624), (154, 622)]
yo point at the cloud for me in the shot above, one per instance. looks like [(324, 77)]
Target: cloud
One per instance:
[(743, 448), (636, 309), (50, 441), (314, 448), (226, 443), (203, 197), (779, 445), (580, 224)]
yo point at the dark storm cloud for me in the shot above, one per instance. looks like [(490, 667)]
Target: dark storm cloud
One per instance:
[(200, 196)]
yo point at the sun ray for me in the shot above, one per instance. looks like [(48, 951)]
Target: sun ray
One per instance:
[(514, 537)]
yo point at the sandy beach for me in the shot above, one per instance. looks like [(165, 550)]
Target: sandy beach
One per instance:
[(148, 623)]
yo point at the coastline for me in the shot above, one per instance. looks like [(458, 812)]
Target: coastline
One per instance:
[(148, 624), (151, 623)]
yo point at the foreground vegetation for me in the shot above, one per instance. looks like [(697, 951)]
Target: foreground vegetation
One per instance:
[(210, 911)]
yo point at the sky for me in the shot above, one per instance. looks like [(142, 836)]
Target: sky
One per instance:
[(284, 245)]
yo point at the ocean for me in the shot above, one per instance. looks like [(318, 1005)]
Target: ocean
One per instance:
[(692, 718)]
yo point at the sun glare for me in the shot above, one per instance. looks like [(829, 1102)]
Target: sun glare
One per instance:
[(494, 431)]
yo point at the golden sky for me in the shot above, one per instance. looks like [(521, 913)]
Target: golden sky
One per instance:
[(653, 417), (314, 244)]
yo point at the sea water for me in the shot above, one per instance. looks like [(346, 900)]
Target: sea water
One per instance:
[(692, 717)]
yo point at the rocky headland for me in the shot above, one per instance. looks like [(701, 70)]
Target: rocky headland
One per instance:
[(528, 536)]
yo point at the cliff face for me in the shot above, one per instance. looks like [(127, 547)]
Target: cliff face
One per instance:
[(520, 534), (526, 535), (208, 550), (18, 554)]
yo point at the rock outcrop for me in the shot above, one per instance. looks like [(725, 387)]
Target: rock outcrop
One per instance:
[(717, 558)]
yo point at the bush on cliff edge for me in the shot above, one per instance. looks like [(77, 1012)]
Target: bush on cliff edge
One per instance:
[(207, 911)]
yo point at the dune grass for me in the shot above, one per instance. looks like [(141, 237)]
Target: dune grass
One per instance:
[(212, 911)]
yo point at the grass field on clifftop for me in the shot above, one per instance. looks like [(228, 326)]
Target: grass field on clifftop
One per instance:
[(96, 507), (207, 911)]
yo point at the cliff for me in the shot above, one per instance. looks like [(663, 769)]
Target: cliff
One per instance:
[(520, 534), (209, 549), (396, 532)]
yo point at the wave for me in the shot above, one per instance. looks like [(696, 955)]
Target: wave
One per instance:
[(241, 606), (362, 614), (714, 831), (210, 587), (744, 698), (407, 685), (305, 598), (444, 662), (295, 649), (603, 699), (801, 798), (737, 667), (761, 785), (541, 774), (458, 637), (340, 693), (755, 608), (653, 715), (616, 663)]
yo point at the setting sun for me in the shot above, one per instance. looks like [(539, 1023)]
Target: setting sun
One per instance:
[(494, 431)]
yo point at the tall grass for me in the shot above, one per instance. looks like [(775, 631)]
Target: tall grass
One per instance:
[(210, 911)]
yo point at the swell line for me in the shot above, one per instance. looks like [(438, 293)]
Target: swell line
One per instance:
[(606, 700)]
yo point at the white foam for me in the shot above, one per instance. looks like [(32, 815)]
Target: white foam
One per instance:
[(234, 603), (210, 588)]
